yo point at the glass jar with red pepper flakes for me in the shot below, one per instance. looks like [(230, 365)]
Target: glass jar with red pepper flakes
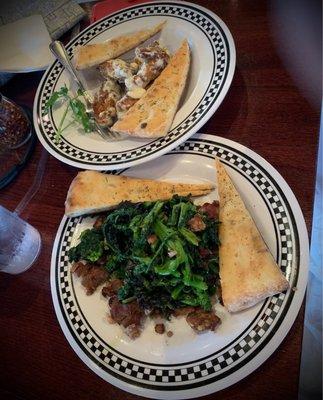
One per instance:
[(15, 127)]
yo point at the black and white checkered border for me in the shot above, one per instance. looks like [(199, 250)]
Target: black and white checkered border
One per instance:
[(262, 183), (222, 63), (194, 372)]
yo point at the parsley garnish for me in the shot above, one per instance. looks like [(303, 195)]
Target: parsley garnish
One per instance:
[(72, 104)]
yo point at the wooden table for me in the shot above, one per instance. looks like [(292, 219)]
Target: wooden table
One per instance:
[(263, 110)]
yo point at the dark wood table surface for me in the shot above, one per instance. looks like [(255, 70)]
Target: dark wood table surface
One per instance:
[(263, 110)]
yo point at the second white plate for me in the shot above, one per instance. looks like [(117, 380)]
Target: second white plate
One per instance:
[(24, 45), (188, 365), (211, 72)]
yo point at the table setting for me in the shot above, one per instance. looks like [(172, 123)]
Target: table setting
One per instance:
[(156, 197)]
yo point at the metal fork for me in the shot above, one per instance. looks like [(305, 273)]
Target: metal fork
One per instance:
[(59, 51)]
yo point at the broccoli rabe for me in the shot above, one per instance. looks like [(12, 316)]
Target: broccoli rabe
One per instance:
[(151, 247), (90, 248)]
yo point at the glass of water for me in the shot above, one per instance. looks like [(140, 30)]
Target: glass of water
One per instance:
[(20, 243)]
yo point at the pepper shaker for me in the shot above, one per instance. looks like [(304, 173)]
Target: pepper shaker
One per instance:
[(15, 128)]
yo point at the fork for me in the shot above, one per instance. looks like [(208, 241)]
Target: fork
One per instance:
[(59, 51)]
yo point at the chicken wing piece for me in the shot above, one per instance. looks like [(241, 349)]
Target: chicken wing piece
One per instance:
[(118, 69), (104, 103), (152, 60)]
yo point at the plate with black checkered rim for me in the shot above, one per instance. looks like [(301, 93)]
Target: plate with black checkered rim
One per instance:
[(188, 365), (211, 71)]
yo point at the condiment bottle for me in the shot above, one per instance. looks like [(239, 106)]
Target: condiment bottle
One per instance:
[(15, 127)]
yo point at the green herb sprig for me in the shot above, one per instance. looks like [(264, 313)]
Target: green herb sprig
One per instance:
[(72, 104)]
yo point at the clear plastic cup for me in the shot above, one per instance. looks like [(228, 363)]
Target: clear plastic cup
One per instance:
[(20, 243)]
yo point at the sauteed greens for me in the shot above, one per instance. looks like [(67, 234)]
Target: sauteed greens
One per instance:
[(165, 252)]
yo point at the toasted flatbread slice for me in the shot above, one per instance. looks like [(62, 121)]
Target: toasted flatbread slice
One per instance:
[(94, 54), (93, 191), (153, 114), (248, 271)]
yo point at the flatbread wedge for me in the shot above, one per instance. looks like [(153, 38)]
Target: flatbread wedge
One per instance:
[(92, 191), (248, 271), (153, 114), (94, 54)]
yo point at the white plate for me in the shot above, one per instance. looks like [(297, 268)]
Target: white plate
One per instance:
[(189, 365), (24, 45), (211, 72)]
